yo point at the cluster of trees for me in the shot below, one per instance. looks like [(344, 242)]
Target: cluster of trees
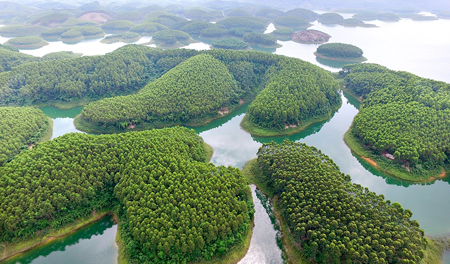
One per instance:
[(196, 88), (173, 207), (21, 30), (291, 21), (117, 26), (126, 37), (82, 32), (230, 43), (10, 58), (148, 28), (26, 42), (334, 220), (19, 128), (170, 36), (402, 114), (296, 93), (195, 13), (259, 38), (243, 22), (339, 50)]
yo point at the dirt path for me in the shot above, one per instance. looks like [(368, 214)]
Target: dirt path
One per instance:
[(369, 160)]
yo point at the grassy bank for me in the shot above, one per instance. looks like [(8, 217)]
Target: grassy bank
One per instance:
[(14, 248), (209, 151), (435, 249), (255, 130), (388, 166), (291, 248), (47, 132), (360, 59)]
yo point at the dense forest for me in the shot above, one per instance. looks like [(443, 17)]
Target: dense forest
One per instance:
[(251, 72), (173, 207), (339, 50), (294, 95), (334, 220), (402, 114), (198, 87), (20, 128)]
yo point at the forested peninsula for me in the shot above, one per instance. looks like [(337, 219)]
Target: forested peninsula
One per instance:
[(20, 129), (403, 122), (219, 82), (329, 219), (171, 205)]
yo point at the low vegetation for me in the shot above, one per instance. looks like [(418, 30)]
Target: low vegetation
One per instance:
[(32, 42), (117, 26), (230, 43), (340, 51)]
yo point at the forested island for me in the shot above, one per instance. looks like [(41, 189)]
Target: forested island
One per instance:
[(402, 124), (327, 219), (191, 211), (26, 42), (340, 52)]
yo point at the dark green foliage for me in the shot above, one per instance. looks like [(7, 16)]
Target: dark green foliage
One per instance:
[(164, 18), (237, 12), (18, 31), (170, 36), (196, 27), (124, 70), (242, 22), (61, 55), (334, 220), (213, 32), (269, 13), (8, 48), (20, 126), (172, 206), (117, 26), (127, 37), (230, 43), (306, 14), (148, 28), (331, 18), (296, 93), (194, 89), (283, 32), (195, 13), (291, 21), (50, 20), (403, 114), (339, 50), (259, 38), (238, 32), (10, 59)]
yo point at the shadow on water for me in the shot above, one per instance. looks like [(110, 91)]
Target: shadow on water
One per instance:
[(55, 112), (219, 122), (90, 243), (333, 63)]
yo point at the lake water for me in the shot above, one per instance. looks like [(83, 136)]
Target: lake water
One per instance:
[(417, 47)]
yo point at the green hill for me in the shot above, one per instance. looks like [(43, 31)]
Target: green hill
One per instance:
[(193, 90)]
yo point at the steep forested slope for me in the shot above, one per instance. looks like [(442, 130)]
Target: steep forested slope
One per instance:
[(195, 88), (402, 115), (334, 220), (173, 207), (19, 128), (297, 93)]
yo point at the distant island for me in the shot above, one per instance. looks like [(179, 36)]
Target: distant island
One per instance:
[(340, 52), (31, 42), (310, 36)]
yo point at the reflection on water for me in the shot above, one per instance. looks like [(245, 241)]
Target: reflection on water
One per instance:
[(332, 63), (62, 119), (91, 244), (446, 257), (263, 246)]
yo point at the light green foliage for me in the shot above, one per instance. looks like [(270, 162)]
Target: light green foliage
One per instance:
[(172, 206), (198, 87), (296, 93), (331, 18), (61, 55), (306, 14), (54, 33), (148, 28), (82, 32), (10, 59), (339, 50), (26, 42), (72, 22), (283, 32), (237, 12), (196, 27), (242, 22), (117, 26), (269, 13), (335, 220), (126, 37), (170, 36), (164, 18), (20, 126), (402, 114), (230, 43), (291, 21), (259, 38), (213, 32), (50, 20), (19, 31)]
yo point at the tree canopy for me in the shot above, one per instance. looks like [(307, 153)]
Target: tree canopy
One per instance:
[(334, 220), (173, 207), (339, 50)]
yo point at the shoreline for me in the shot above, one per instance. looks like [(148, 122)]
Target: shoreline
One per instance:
[(360, 59), (290, 247), (20, 247), (255, 130), (358, 150)]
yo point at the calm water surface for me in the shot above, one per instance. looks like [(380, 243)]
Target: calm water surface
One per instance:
[(92, 244), (446, 257), (417, 47)]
